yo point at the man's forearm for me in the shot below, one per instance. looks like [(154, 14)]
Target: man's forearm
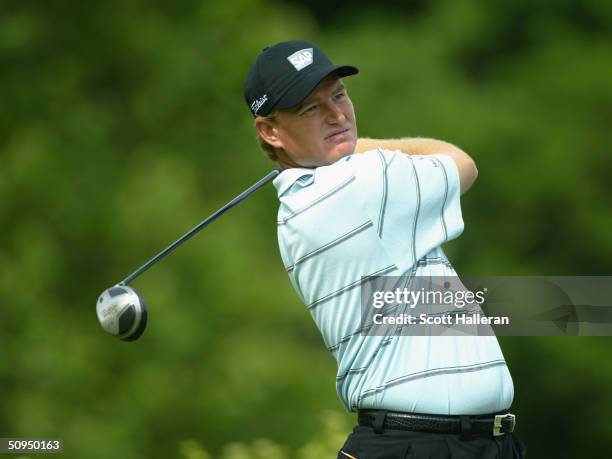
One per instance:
[(423, 146), (408, 145)]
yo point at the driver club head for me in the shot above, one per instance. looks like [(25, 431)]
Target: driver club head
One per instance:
[(122, 312)]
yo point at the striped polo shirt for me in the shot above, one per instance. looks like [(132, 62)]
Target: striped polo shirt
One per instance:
[(384, 213)]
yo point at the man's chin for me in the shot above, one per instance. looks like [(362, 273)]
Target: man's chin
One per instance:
[(342, 150), (336, 154)]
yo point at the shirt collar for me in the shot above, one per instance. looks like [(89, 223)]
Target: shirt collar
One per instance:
[(288, 177)]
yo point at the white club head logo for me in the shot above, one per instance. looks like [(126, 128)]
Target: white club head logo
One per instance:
[(301, 58)]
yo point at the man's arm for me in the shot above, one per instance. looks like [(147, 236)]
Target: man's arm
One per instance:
[(422, 146)]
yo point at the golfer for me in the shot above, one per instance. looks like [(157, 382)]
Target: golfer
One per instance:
[(351, 209)]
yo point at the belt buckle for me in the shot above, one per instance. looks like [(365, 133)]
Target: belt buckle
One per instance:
[(499, 419)]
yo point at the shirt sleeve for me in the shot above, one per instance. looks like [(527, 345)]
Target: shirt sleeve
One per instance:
[(413, 200)]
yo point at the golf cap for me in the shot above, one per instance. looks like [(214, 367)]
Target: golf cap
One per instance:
[(284, 74)]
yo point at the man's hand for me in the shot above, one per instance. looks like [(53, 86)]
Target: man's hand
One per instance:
[(422, 146)]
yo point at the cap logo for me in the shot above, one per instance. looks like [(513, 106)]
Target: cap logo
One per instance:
[(301, 58), (256, 105)]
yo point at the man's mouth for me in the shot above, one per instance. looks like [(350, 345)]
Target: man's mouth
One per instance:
[(336, 133)]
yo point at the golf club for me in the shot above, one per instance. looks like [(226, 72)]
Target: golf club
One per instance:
[(121, 309)]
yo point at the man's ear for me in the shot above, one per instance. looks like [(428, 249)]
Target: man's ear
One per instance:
[(267, 131)]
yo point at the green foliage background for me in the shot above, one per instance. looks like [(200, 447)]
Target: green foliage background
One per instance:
[(122, 124)]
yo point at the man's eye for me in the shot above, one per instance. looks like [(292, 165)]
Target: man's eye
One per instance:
[(340, 95), (309, 109)]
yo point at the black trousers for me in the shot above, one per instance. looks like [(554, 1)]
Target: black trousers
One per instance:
[(364, 443)]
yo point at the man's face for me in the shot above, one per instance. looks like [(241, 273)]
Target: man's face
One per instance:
[(319, 131)]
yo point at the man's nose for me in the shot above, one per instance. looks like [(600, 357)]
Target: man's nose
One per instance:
[(334, 113)]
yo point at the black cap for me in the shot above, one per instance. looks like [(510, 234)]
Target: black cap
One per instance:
[(283, 75)]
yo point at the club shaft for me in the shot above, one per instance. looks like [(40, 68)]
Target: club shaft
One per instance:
[(201, 225)]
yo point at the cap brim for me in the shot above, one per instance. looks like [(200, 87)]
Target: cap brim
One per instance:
[(301, 90)]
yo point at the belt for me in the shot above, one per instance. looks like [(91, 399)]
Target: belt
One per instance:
[(496, 423)]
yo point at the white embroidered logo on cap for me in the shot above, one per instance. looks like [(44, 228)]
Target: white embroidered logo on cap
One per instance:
[(301, 58), (256, 105)]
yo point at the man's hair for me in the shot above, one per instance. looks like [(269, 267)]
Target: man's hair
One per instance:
[(268, 149)]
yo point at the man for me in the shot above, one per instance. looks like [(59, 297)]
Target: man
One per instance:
[(345, 217)]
